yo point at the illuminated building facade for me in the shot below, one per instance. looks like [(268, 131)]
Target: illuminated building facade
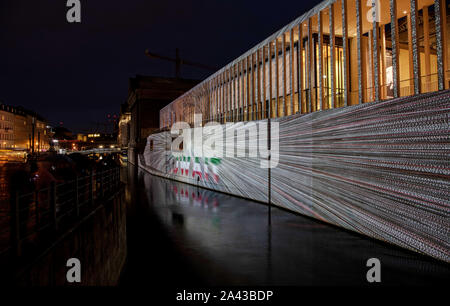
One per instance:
[(340, 53), (6, 128), (16, 129), (379, 169), (124, 127)]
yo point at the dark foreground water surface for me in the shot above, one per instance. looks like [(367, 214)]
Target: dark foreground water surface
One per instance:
[(181, 235)]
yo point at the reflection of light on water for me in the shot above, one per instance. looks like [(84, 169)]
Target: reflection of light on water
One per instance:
[(293, 251), (12, 156), (201, 198)]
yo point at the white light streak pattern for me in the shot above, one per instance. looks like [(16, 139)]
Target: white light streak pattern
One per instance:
[(381, 169)]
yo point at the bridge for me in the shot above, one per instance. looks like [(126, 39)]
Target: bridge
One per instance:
[(97, 151)]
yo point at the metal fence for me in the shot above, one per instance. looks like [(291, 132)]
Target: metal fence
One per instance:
[(37, 216)]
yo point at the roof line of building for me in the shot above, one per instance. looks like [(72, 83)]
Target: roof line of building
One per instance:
[(305, 16), (21, 111)]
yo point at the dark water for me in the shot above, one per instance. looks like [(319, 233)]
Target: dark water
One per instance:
[(8, 170), (183, 235)]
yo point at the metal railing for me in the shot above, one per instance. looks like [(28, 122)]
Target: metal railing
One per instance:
[(37, 216)]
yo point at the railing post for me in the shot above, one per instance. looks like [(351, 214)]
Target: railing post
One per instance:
[(110, 173), (102, 183), (106, 181), (36, 207), (15, 223), (53, 205), (91, 188), (111, 179), (115, 178), (77, 199)]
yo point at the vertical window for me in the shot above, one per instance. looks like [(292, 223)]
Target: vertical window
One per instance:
[(352, 43), (304, 68), (405, 56), (428, 47), (338, 54), (314, 63)]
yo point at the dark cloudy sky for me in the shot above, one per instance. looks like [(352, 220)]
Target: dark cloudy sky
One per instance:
[(78, 73)]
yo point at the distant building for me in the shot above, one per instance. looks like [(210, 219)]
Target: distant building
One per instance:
[(82, 137), (101, 141), (22, 124), (146, 96), (62, 133), (22, 129), (6, 127), (123, 136)]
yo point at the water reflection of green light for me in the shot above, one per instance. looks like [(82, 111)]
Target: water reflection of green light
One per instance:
[(215, 221)]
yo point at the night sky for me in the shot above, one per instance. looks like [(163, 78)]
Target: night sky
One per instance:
[(78, 73)]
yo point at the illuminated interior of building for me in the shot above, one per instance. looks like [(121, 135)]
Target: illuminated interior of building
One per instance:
[(339, 53)]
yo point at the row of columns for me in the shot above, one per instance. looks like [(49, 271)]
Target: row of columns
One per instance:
[(235, 93)]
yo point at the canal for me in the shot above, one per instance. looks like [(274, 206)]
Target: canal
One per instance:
[(182, 235)]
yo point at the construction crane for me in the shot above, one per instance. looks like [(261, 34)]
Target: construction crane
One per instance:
[(178, 62)]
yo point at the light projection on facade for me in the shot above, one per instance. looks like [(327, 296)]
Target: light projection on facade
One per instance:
[(379, 168)]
